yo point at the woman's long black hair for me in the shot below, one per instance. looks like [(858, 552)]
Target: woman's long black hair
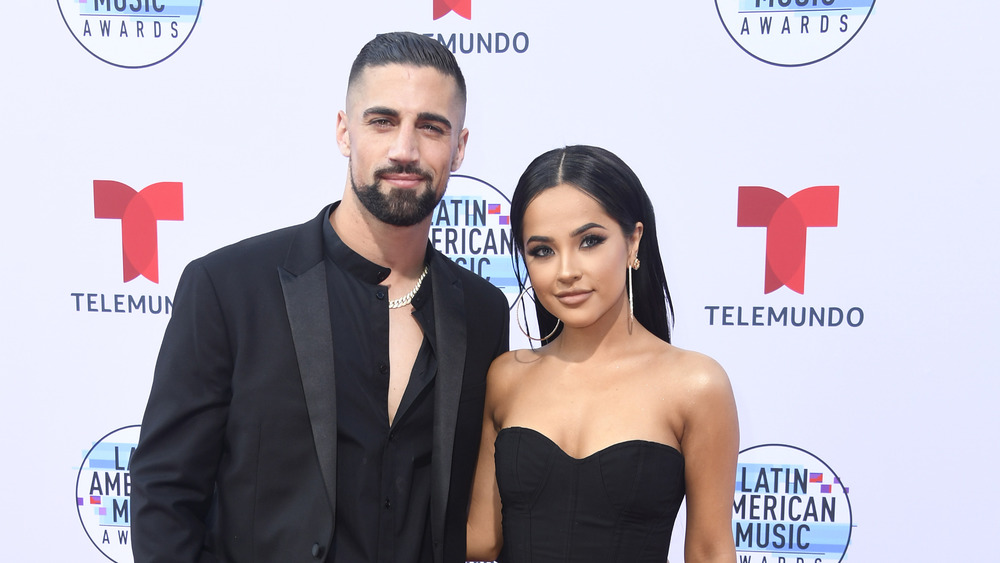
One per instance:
[(607, 179)]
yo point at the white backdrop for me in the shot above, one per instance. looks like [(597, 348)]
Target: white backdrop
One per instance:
[(903, 119)]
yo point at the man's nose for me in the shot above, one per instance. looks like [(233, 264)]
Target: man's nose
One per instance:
[(404, 146)]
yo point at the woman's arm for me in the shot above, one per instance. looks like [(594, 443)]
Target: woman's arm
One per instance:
[(483, 530), (710, 443)]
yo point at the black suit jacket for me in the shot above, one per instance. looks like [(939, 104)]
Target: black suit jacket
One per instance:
[(237, 455)]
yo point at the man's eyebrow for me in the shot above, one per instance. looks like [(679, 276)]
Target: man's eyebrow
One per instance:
[(430, 116), (378, 110)]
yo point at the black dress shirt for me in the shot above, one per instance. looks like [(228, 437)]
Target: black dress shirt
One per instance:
[(383, 471)]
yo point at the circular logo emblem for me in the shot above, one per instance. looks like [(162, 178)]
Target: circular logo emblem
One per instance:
[(471, 225), (793, 32), (103, 487), (789, 507), (130, 33)]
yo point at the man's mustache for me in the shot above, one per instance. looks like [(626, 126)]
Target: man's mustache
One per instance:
[(404, 169)]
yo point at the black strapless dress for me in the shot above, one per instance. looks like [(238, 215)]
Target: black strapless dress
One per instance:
[(616, 505)]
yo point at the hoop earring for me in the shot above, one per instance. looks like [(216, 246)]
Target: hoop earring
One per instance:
[(633, 265), (521, 328)]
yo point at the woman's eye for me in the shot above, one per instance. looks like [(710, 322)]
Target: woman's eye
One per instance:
[(540, 252), (591, 240)]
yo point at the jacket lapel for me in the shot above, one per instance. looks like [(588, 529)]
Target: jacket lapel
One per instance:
[(450, 335), (304, 285)]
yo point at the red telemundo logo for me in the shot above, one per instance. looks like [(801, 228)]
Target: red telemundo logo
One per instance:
[(460, 7), (139, 212), (786, 221)]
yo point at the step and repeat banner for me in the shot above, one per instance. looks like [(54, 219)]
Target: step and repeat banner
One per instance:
[(824, 174)]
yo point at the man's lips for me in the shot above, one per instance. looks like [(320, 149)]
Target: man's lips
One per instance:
[(403, 180)]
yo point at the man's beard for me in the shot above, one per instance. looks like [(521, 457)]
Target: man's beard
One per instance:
[(400, 208)]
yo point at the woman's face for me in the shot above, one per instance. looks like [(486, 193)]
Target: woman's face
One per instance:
[(576, 256)]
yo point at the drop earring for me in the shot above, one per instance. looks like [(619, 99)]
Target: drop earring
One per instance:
[(633, 265)]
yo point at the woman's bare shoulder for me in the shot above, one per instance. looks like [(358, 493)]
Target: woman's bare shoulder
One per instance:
[(516, 359), (514, 363), (508, 368), (506, 376), (692, 371)]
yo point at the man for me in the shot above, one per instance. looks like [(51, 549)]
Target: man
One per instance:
[(281, 425)]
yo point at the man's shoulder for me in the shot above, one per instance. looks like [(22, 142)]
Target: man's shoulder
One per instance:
[(257, 245), (270, 247)]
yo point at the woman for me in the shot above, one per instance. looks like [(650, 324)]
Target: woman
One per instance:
[(591, 441)]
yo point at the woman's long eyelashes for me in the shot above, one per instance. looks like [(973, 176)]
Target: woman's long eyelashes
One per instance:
[(539, 251), (592, 240)]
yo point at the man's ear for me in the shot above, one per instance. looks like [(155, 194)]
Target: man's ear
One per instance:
[(343, 136), (456, 161)]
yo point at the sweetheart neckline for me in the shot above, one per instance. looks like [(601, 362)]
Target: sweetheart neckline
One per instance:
[(605, 449)]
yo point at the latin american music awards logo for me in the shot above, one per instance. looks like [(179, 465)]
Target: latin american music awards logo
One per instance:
[(471, 225), (789, 507), (131, 33), (793, 32), (103, 491)]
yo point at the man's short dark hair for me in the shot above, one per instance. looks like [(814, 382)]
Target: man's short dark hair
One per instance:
[(407, 48)]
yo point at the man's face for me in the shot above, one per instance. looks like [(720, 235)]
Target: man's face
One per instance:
[(403, 134)]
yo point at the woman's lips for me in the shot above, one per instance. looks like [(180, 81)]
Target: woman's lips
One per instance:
[(573, 297)]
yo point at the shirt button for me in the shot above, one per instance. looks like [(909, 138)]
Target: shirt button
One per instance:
[(380, 294), (383, 369), (388, 504), (317, 550)]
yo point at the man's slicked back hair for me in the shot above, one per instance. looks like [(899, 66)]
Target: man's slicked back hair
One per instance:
[(407, 48)]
